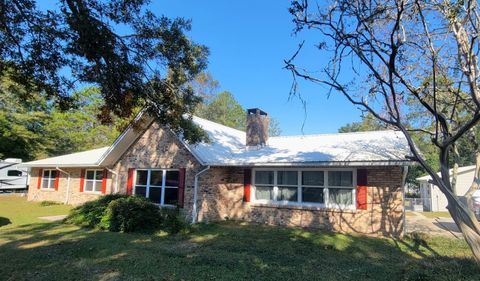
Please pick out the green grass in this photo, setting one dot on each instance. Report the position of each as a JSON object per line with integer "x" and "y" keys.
{"x": 16, "y": 211}
{"x": 222, "y": 251}
{"x": 433, "y": 215}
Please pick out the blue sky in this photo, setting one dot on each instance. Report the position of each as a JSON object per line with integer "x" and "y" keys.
{"x": 248, "y": 42}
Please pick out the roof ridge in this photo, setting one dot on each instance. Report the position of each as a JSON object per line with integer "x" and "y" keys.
{"x": 336, "y": 134}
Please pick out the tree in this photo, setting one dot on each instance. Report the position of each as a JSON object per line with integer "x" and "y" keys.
{"x": 80, "y": 129}
{"x": 368, "y": 123}
{"x": 222, "y": 107}
{"x": 133, "y": 56}
{"x": 22, "y": 119}
{"x": 380, "y": 54}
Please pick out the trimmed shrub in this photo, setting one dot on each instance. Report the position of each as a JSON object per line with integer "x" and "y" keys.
{"x": 90, "y": 213}
{"x": 131, "y": 214}
{"x": 173, "y": 221}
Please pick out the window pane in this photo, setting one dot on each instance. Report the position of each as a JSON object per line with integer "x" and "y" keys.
{"x": 312, "y": 178}
{"x": 287, "y": 177}
{"x": 340, "y": 196}
{"x": 264, "y": 177}
{"x": 14, "y": 173}
{"x": 288, "y": 194}
{"x": 99, "y": 175}
{"x": 312, "y": 195}
{"x": 45, "y": 183}
{"x": 156, "y": 178}
{"x": 141, "y": 191}
{"x": 142, "y": 177}
{"x": 88, "y": 185}
{"x": 46, "y": 173}
{"x": 155, "y": 194}
{"x": 90, "y": 175}
{"x": 171, "y": 196}
{"x": 172, "y": 178}
{"x": 53, "y": 174}
{"x": 98, "y": 186}
{"x": 264, "y": 192}
{"x": 340, "y": 178}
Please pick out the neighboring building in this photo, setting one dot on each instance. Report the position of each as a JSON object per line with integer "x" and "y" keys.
{"x": 434, "y": 200}
{"x": 350, "y": 182}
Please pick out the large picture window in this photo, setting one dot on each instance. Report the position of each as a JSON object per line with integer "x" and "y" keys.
{"x": 48, "y": 179}
{"x": 329, "y": 188}
{"x": 159, "y": 185}
{"x": 93, "y": 181}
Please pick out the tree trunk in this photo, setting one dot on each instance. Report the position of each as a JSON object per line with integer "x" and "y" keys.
{"x": 464, "y": 217}
{"x": 470, "y": 228}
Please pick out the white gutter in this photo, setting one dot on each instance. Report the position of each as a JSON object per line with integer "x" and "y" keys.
{"x": 67, "y": 196}
{"x": 195, "y": 191}
{"x": 115, "y": 187}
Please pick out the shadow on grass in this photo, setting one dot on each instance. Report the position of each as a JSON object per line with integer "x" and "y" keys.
{"x": 223, "y": 251}
{"x": 4, "y": 221}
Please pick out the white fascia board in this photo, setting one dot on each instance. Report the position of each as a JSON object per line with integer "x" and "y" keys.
{"x": 316, "y": 164}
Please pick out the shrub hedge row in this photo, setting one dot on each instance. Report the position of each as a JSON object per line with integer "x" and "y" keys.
{"x": 121, "y": 213}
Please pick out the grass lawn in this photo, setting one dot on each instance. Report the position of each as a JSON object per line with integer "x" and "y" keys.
{"x": 33, "y": 250}
{"x": 433, "y": 215}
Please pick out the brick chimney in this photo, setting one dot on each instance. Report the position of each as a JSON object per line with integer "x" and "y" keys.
{"x": 257, "y": 127}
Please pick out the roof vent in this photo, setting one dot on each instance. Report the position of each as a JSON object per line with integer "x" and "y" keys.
{"x": 257, "y": 127}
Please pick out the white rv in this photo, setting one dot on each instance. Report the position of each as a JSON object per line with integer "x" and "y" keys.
{"x": 12, "y": 176}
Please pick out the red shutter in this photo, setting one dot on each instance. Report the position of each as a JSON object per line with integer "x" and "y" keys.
{"x": 82, "y": 179}
{"x": 362, "y": 189}
{"x": 247, "y": 182}
{"x": 104, "y": 181}
{"x": 40, "y": 175}
{"x": 57, "y": 180}
{"x": 130, "y": 181}
{"x": 181, "y": 187}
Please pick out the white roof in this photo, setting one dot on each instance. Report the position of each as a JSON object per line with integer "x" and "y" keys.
{"x": 460, "y": 170}
{"x": 227, "y": 148}
{"x": 89, "y": 158}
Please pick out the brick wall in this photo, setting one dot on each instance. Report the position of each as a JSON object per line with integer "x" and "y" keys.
{"x": 221, "y": 197}
{"x": 159, "y": 148}
{"x": 75, "y": 196}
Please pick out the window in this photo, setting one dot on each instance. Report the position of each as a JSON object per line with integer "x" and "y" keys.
{"x": 340, "y": 187}
{"x": 160, "y": 186}
{"x": 313, "y": 187}
{"x": 48, "y": 179}
{"x": 332, "y": 188}
{"x": 93, "y": 181}
{"x": 14, "y": 173}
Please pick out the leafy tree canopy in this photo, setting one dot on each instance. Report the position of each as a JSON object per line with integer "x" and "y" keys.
{"x": 133, "y": 56}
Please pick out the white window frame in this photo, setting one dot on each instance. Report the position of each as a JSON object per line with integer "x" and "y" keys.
{"x": 147, "y": 187}
{"x": 94, "y": 181}
{"x": 326, "y": 187}
{"x": 50, "y": 182}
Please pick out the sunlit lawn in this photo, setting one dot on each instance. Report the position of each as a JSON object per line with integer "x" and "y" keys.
{"x": 436, "y": 214}
{"x": 35, "y": 250}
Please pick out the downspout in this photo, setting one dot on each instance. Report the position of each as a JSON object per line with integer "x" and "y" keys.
{"x": 404, "y": 179}
{"x": 115, "y": 186}
{"x": 195, "y": 191}
{"x": 67, "y": 196}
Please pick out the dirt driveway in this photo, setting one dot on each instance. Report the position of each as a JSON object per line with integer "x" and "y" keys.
{"x": 415, "y": 221}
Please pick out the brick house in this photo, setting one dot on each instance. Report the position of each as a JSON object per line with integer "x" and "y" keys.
{"x": 349, "y": 182}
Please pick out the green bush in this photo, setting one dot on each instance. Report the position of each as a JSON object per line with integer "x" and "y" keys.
{"x": 131, "y": 214}
{"x": 127, "y": 214}
{"x": 172, "y": 220}
{"x": 90, "y": 213}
